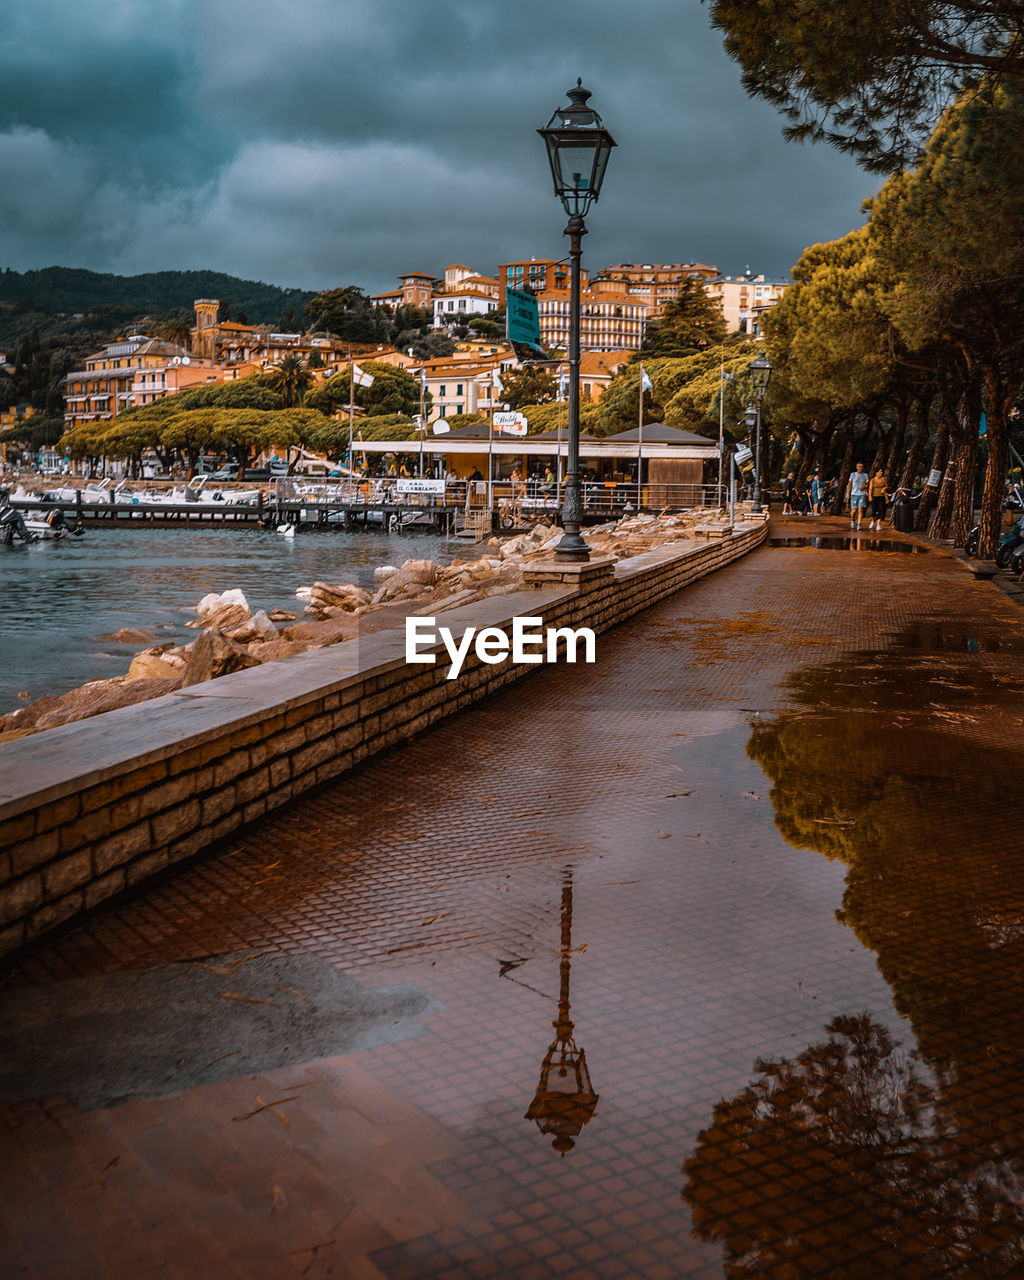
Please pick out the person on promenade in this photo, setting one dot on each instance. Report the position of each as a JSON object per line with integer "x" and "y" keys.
{"x": 815, "y": 492}
{"x": 857, "y": 495}
{"x": 877, "y": 494}
{"x": 806, "y": 506}
{"x": 788, "y": 492}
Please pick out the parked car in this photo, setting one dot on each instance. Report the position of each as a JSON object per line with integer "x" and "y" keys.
{"x": 229, "y": 471}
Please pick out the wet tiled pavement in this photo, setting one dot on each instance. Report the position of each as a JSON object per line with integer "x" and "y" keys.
{"x": 761, "y": 864}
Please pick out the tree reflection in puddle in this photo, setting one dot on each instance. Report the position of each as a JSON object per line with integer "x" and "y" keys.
{"x": 854, "y": 1159}
{"x": 847, "y": 1162}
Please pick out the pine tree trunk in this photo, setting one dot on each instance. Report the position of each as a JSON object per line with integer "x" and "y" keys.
{"x": 963, "y": 500}
{"x": 911, "y": 466}
{"x": 1000, "y": 398}
{"x": 943, "y": 518}
{"x": 839, "y": 502}
{"x": 883, "y": 441}
{"x": 899, "y": 436}
{"x": 940, "y": 456}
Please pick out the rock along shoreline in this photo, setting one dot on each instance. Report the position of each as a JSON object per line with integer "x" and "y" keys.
{"x": 233, "y": 637}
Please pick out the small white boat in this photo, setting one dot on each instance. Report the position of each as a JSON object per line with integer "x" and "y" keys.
{"x": 38, "y": 527}
{"x": 196, "y": 493}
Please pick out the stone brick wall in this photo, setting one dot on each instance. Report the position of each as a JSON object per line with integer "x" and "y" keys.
{"x": 91, "y": 809}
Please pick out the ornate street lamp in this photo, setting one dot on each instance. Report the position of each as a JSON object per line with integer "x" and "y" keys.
{"x": 565, "y": 1099}
{"x": 760, "y": 372}
{"x": 578, "y": 149}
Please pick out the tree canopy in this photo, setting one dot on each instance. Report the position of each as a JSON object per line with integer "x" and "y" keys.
{"x": 528, "y": 385}
{"x": 290, "y": 379}
{"x": 869, "y": 78}
{"x": 393, "y": 391}
{"x": 690, "y": 323}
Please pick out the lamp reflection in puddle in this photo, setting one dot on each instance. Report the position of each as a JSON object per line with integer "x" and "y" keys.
{"x": 565, "y": 1099}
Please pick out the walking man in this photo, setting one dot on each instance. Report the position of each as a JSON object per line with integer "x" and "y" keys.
{"x": 788, "y": 493}
{"x": 857, "y": 495}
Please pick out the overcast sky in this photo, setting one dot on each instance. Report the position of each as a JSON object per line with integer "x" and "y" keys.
{"x": 344, "y": 141}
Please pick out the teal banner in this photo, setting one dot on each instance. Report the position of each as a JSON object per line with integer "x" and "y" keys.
{"x": 522, "y": 319}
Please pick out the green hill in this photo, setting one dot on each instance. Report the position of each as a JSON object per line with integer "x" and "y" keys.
{"x": 66, "y": 301}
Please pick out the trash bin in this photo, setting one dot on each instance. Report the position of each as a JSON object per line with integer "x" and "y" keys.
{"x": 903, "y": 515}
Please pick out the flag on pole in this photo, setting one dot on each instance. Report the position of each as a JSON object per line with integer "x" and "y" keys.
{"x": 562, "y": 383}
{"x": 645, "y": 383}
{"x": 361, "y": 378}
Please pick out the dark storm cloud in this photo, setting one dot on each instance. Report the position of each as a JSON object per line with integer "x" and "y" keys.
{"x": 349, "y": 140}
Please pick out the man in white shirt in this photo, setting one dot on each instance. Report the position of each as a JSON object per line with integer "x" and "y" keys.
{"x": 857, "y": 495}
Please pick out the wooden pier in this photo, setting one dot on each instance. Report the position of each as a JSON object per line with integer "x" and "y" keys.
{"x": 308, "y": 512}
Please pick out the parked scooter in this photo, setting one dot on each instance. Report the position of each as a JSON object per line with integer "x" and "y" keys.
{"x": 1012, "y": 538}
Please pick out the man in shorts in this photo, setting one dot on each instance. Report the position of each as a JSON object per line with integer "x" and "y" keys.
{"x": 857, "y": 495}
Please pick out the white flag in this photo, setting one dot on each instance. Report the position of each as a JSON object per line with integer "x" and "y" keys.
{"x": 361, "y": 378}
{"x": 645, "y": 383}
{"x": 496, "y": 379}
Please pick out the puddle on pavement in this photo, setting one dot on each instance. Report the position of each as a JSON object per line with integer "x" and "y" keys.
{"x": 876, "y": 765}
{"x": 855, "y": 542}
{"x": 940, "y": 637}
{"x": 100, "y": 1039}
{"x": 848, "y": 1160}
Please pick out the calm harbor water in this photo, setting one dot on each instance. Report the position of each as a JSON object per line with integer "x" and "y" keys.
{"x": 60, "y": 598}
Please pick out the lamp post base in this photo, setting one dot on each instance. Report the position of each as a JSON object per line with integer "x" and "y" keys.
{"x": 572, "y": 547}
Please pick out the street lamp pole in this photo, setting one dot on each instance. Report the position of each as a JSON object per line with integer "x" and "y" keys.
{"x": 578, "y": 149}
{"x": 760, "y": 372}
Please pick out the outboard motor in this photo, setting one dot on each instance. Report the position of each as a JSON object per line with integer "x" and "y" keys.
{"x": 12, "y": 522}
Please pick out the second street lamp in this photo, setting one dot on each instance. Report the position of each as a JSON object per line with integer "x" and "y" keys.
{"x": 760, "y": 372}
{"x": 578, "y": 149}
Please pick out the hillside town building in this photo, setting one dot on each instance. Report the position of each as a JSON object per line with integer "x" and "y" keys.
{"x": 132, "y": 371}
{"x": 745, "y": 299}
{"x": 654, "y": 284}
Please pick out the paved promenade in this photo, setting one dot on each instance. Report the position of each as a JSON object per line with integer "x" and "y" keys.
{"x": 763, "y": 857}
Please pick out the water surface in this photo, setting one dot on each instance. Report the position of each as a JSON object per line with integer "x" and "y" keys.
{"x": 59, "y": 598}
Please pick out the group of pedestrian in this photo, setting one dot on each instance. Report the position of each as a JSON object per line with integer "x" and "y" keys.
{"x": 807, "y": 502}
{"x": 864, "y": 494}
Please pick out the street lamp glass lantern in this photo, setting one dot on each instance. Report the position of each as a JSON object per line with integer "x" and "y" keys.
{"x": 760, "y": 372}
{"x": 578, "y": 150}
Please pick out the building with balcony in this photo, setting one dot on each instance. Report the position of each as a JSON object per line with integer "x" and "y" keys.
{"x": 653, "y": 284}
{"x": 132, "y": 371}
{"x": 744, "y": 299}
{"x": 610, "y": 319}
{"x": 537, "y": 274}
{"x": 464, "y": 386}
{"x": 417, "y": 290}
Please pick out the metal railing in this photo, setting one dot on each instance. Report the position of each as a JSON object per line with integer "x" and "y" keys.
{"x": 530, "y": 496}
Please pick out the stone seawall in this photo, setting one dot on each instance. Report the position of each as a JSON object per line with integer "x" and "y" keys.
{"x": 90, "y": 809}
